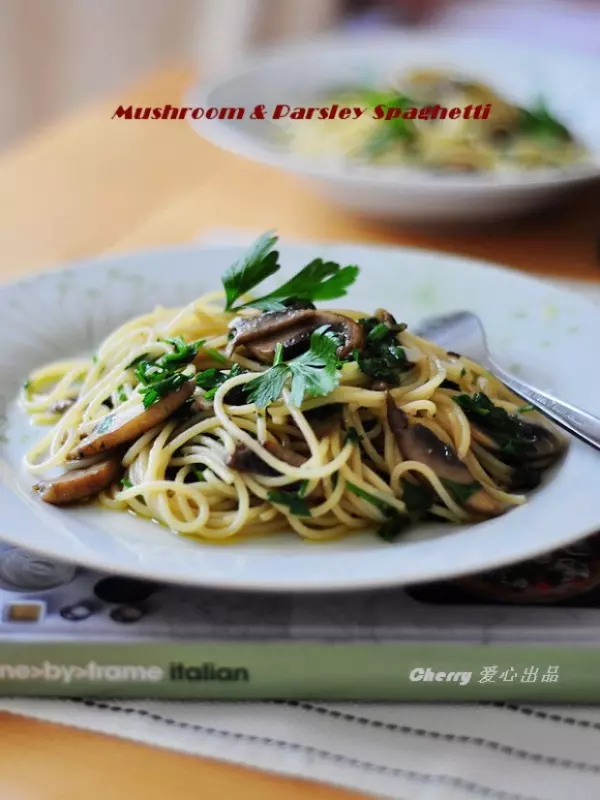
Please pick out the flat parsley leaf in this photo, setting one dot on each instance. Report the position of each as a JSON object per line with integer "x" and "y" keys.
{"x": 313, "y": 374}
{"x": 258, "y": 263}
{"x": 267, "y": 387}
{"x": 319, "y": 280}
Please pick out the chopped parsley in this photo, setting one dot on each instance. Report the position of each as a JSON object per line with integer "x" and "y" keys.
{"x": 395, "y": 524}
{"x": 524, "y": 409}
{"x": 278, "y": 354}
{"x": 463, "y": 372}
{"x": 199, "y": 473}
{"x": 313, "y": 374}
{"x": 293, "y": 500}
{"x": 126, "y": 483}
{"x": 166, "y": 374}
{"x": 27, "y": 386}
{"x": 370, "y": 498}
{"x": 416, "y": 498}
{"x": 352, "y": 436}
{"x": 121, "y": 394}
{"x": 157, "y": 381}
{"x": 183, "y": 352}
{"x": 380, "y": 331}
{"x": 319, "y": 280}
{"x": 211, "y": 379}
{"x": 382, "y": 358}
{"x": 461, "y": 491}
{"x": 507, "y": 430}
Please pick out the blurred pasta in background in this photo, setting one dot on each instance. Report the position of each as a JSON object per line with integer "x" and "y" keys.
{"x": 56, "y": 55}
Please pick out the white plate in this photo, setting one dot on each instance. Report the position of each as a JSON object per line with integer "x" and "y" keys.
{"x": 299, "y": 74}
{"x": 548, "y": 333}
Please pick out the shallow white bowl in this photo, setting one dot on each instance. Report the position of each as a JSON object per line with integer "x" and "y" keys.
{"x": 300, "y": 74}
{"x": 548, "y": 333}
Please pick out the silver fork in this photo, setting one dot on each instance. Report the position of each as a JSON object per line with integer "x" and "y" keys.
{"x": 463, "y": 333}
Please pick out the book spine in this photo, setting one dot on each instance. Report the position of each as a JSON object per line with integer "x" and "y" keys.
{"x": 301, "y": 670}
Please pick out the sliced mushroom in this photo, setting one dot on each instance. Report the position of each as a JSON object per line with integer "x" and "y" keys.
{"x": 124, "y": 426}
{"x": 284, "y": 454}
{"x": 293, "y": 328}
{"x": 418, "y": 443}
{"x": 389, "y": 320}
{"x": 78, "y": 484}
{"x": 61, "y": 405}
{"x": 243, "y": 459}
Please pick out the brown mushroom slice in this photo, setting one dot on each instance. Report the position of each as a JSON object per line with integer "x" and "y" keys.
{"x": 284, "y": 454}
{"x": 61, "y": 405}
{"x": 388, "y": 319}
{"x": 293, "y": 328}
{"x": 126, "y": 425}
{"x": 418, "y": 443}
{"x": 79, "y": 484}
{"x": 243, "y": 459}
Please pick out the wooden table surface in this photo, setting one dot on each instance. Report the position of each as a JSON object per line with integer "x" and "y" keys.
{"x": 89, "y": 185}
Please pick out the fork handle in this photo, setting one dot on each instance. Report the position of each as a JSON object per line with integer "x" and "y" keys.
{"x": 580, "y": 423}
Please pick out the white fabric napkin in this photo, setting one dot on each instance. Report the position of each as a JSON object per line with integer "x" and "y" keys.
{"x": 408, "y": 752}
{"x": 500, "y": 751}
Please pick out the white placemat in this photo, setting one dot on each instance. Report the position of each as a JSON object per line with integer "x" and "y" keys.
{"x": 500, "y": 751}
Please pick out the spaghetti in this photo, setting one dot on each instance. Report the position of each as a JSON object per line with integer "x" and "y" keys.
{"x": 231, "y": 417}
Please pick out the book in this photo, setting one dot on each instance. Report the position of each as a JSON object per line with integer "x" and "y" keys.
{"x": 529, "y": 632}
